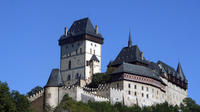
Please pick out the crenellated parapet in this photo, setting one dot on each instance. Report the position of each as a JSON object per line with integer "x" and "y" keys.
{"x": 36, "y": 95}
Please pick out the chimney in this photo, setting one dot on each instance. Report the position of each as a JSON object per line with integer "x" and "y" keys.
{"x": 65, "y": 31}
{"x": 96, "y": 29}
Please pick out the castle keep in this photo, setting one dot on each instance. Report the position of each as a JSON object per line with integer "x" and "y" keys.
{"x": 134, "y": 80}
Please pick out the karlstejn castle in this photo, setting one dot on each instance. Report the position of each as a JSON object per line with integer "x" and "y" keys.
{"x": 134, "y": 80}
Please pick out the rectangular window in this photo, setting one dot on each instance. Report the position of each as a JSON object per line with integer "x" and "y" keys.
{"x": 76, "y": 51}
{"x": 80, "y": 50}
{"x": 147, "y": 89}
{"x": 135, "y": 93}
{"x": 147, "y": 96}
{"x": 142, "y": 94}
{"x": 129, "y": 85}
{"x": 117, "y": 85}
{"x": 142, "y": 88}
{"x": 135, "y": 86}
{"x": 129, "y": 92}
{"x": 90, "y": 51}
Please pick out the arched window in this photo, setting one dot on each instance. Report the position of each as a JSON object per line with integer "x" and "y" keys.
{"x": 69, "y": 77}
{"x": 69, "y": 65}
{"x": 77, "y": 75}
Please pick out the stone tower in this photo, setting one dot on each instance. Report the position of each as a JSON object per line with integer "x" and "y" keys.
{"x": 80, "y": 52}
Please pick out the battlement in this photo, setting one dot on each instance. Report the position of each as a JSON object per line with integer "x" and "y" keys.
{"x": 36, "y": 95}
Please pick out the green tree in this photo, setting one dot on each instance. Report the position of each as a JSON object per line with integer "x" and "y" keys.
{"x": 189, "y": 105}
{"x": 21, "y": 102}
{"x": 6, "y": 101}
{"x": 12, "y": 101}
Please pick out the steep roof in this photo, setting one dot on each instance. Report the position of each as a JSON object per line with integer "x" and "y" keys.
{"x": 169, "y": 70}
{"x": 180, "y": 72}
{"x": 94, "y": 58}
{"x": 55, "y": 79}
{"x": 138, "y": 70}
{"x": 128, "y": 55}
{"x": 79, "y": 27}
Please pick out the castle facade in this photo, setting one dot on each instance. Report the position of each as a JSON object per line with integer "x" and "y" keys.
{"x": 134, "y": 79}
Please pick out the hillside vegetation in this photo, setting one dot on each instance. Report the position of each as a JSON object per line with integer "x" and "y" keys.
{"x": 70, "y": 105}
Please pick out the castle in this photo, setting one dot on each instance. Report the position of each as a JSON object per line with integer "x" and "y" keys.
{"x": 135, "y": 80}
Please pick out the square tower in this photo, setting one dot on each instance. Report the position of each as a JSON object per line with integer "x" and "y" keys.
{"x": 80, "y": 52}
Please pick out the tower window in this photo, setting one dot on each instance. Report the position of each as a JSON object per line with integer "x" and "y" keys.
{"x": 77, "y": 76}
{"x": 69, "y": 65}
{"x": 80, "y": 50}
{"x": 129, "y": 85}
{"x": 117, "y": 85}
{"x": 69, "y": 77}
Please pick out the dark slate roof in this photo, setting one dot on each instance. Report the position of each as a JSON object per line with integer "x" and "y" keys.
{"x": 169, "y": 70}
{"x": 128, "y": 55}
{"x": 138, "y": 70}
{"x": 94, "y": 58}
{"x": 55, "y": 79}
{"x": 180, "y": 72}
{"x": 79, "y": 27}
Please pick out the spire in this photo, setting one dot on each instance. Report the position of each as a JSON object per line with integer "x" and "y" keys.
{"x": 129, "y": 41}
{"x": 180, "y": 71}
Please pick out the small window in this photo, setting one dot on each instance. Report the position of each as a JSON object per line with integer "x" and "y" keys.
{"x": 147, "y": 89}
{"x": 94, "y": 51}
{"x": 69, "y": 65}
{"x": 90, "y": 51}
{"x": 117, "y": 85}
{"x": 87, "y": 63}
{"x": 142, "y": 94}
{"x": 129, "y": 92}
{"x": 135, "y": 86}
{"x": 142, "y": 88}
{"x": 129, "y": 85}
{"x": 69, "y": 77}
{"x": 76, "y": 51}
{"x": 95, "y": 45}
{"x": 147, "y": 96}
{"x": 77, "y": 75}
{"x": 135, "y": 93}
{"x": 80, "y": 50}
{"x": 91, "y": 44}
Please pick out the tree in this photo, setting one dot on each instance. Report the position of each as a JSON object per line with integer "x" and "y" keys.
{"x": 6, "y": 101}
{"x": 12, "y": 101}
{"x": 21, "y": 102}
{"x": 189, "y": 105}
{"x": 34, "y": 90}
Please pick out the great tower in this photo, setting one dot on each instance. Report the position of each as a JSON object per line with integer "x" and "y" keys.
{"x": 80, "y": 52}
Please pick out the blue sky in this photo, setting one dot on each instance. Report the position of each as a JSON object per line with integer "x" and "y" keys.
{"x": 167, "y": 30}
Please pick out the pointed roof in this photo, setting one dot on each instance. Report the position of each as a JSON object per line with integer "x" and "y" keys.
{"x": 55, "y": 79}
{"x": 179, "y": 70}
{"x": 79, "y": 27}
{"x": 94, "y": 58}
{"x": 129, "y": 55}
{"x": 129, "y": 41}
